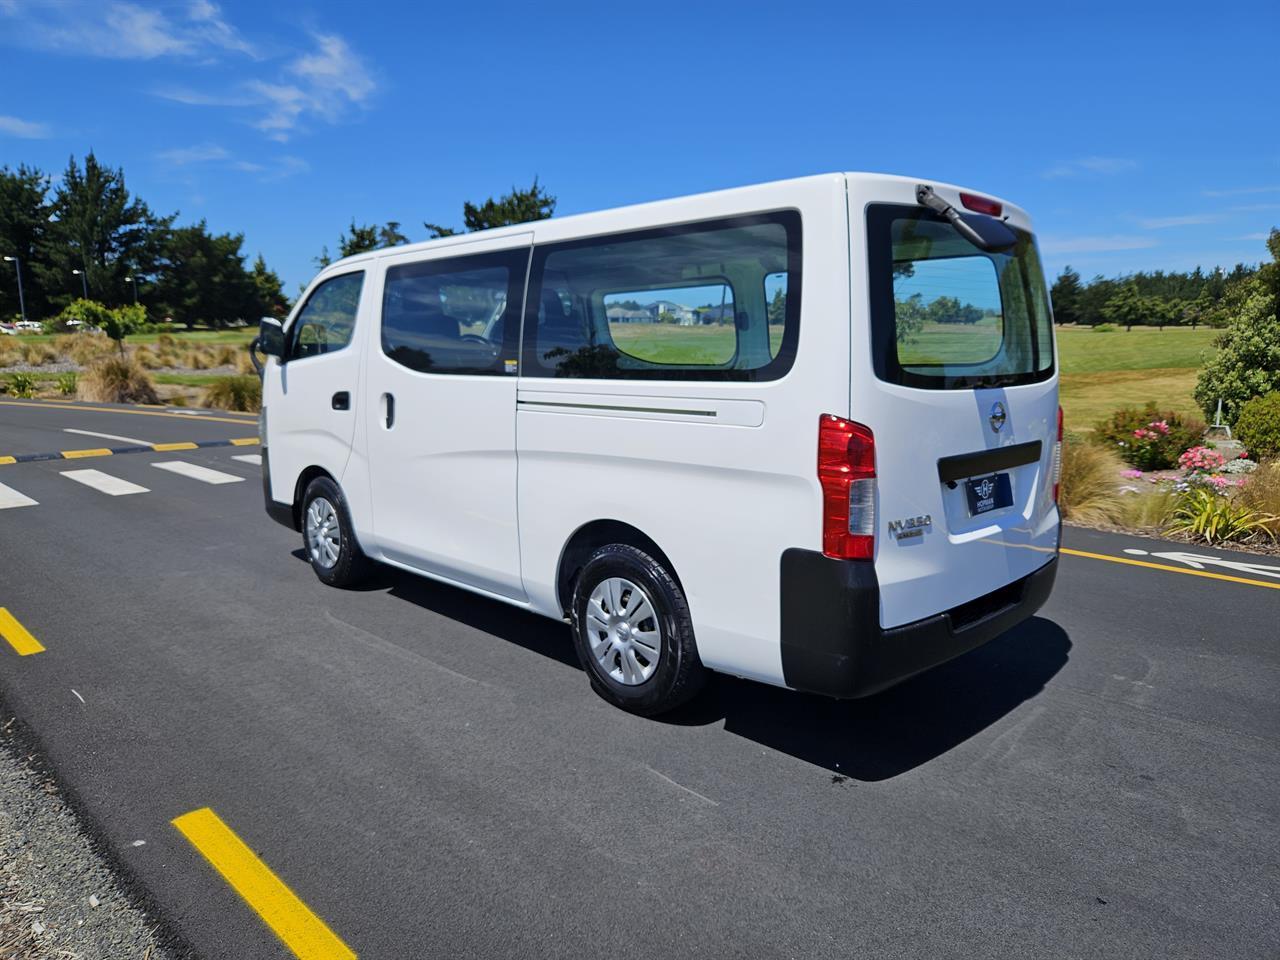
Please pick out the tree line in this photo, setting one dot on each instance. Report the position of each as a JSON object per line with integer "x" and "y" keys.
{"x": 89, "y": 238}
{"x": 1156, "y": 299}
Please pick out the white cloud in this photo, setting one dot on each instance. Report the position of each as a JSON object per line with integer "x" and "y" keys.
{"x": 24, "y": 129}
{"x": 125, "y": 31}
{"x": 201, "y": 153}
{"x": 1254, "y": 236}
{"x": 1185, "y": 220}
{"x": 1099, "y": 244}
{"x": 196, "y": 98}
{"x": 1242, "y": 191}
{"x": 1102, "y": 166}
{"x": 324, "y": 83}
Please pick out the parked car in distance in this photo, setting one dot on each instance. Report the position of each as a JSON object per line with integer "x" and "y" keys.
{"x": 805, "y": 432}
{"x": 31, "y": 325}
{"x": 8, "y": 328}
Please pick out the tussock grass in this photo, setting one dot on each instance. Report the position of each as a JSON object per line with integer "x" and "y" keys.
{"x": 241, "y": 392}
{"x": 1261, "y": 493}
{"x": 116, "y": 379}
{"x": 1090, "y": 485}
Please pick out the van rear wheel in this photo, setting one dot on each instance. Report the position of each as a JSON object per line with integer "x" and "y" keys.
{"x": 328, "y": 537}
{"x": 633, "y": 633}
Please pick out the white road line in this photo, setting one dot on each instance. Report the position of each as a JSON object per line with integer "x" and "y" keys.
{"x": 108, "y": 436}
{"x": 196, "y": 472}
{"x": 254, "y": 458}
{"x": 10, "y": 497}
{"x": 112, "y": 486}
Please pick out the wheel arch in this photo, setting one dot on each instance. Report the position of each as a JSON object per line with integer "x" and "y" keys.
{"x": 300, "y": 487}
{"x": 589, "y": 538}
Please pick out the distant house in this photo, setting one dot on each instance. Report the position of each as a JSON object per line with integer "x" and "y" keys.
{"x": 685, "y": 316}
{"x": 723, "y": 314}
{"x": 617, "y": 314}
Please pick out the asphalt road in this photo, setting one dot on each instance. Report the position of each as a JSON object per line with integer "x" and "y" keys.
{"x": 431, "y": 774}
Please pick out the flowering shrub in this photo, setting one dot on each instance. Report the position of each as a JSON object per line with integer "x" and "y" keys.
{"x": 1202, "y": 460}
{"x": 1149, "y": 439}
{"x": 1239, "y": 465}
{"x": 1131, "y": 474}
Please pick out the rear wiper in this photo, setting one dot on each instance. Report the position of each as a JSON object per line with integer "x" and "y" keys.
{"x": 985, "y": 233}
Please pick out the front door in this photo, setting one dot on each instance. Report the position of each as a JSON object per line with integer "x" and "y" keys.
{"x": 441, "y": 409}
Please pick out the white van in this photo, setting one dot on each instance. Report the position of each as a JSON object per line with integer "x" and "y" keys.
{"x": 805, "y": 432}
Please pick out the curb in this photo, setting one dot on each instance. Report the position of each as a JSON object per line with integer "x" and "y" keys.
{"x": 137, "y": 448}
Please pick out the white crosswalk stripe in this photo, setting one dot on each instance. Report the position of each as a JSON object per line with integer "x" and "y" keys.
{"x": 112, "y": 486}
{"x": 197, "y": 472}
{"x": 10, "y": 497}
{"x": 254, "y": 458}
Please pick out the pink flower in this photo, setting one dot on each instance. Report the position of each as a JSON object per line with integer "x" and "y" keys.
{"x": 1160, "y": 425}
{"x": 1131, "y": 474}
{"x": 1141, "y": 434}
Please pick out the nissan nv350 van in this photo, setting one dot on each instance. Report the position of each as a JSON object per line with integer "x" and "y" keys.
{"x": 805, "y": 432}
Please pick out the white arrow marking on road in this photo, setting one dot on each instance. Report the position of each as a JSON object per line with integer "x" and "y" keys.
{"x": 1198, "y": 562}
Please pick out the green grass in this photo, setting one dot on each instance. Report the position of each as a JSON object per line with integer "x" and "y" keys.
{"x": 952, "y": 343}
{"x": 187, "y": 379}
{"x": 712, "y": 344}
{"x": 181, "y": 334}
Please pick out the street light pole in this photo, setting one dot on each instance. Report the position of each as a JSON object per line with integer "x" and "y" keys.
{"x": 84, "y": 283}
{"x": 22, "y": 302}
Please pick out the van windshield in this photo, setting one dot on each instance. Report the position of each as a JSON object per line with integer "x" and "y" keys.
{"x": 946, "y": 315}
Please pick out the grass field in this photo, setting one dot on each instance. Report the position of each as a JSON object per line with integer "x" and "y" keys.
{"x": 1104, "y": 371}
{"x": 181, "y": 334}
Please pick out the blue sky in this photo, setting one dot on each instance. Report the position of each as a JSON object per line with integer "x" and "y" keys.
{"x": 1138, "y": 136}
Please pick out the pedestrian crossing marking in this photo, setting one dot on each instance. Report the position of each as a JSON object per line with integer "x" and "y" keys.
{"x": 112, "y": 486}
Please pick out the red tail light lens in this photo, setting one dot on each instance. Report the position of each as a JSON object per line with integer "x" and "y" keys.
{"x": 977, "y": 204}
{"x": 1057, "y": 459}
{"x": 847, "y": 473}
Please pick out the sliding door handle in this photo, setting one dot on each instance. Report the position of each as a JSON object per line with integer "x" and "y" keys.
{"x": 388, "y": 411}
{"x": 342, "y": 400}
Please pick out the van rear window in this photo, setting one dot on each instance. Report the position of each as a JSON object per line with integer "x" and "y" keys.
{"x": 948, "y": 315}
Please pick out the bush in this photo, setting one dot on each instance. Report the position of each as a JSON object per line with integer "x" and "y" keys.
{"x": 1247, "y": 363}
{"x": 1089, "y": 488}
{"x": 117, "y": 379}
{"x": 1214, "y": 519}
{"x": 1149, "y": 438}
{"x": 1261, "y": 492}
{"x": 22, "y": 385}
{"x": 67, "y": 383}
{"x": 1105, "y": 328}
{"x": 1258, "y": 426}
{"x": 240, "y": 392}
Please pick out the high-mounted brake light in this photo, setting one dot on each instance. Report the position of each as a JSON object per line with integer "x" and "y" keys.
{"x": 1057, "y": 459}
{"x": 847, "y": 473}
{"x": 971, "y": 201}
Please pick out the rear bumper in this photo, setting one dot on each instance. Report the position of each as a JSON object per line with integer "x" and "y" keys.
{"x": 281, "y": 513}
{"x": 832, "y": 641}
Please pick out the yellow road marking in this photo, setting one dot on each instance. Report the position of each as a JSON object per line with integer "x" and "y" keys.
{"x": 305, "y": 934}
{"x": 162, "y": 447}
{"x": 245, "y": 442}
{"x": 18, "y": 636}
{"x": 135, "y": 413}
{"x": 1162, "y": 566}
{"x": 77, "y": 454}
{"x": 8, "y": 459}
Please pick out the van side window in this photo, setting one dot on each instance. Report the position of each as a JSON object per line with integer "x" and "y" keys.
{"x": 328, "y": 318}
{"x": 456, "y": 315}
{"x": 717, "y": 300}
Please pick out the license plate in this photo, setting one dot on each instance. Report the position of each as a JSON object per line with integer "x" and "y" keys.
{"x": 988, "y": 493}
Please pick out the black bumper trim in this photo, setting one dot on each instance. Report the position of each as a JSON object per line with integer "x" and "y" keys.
{"x": 988, "y": 461}
{"x": 832, "y": 641}
{"x": 281, "y": 513}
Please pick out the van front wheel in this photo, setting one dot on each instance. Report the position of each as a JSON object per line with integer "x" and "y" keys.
{"x": 327, "y": 536}
{"x": 633, "y": 633}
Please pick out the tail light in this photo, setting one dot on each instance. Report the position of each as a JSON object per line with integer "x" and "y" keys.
{"x": 1057, "y": 459}
{"x": 847, "y": 473}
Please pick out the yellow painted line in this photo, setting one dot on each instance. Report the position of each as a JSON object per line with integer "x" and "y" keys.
{"x": 18, "y": 636}
{"x": 305, "y": 934}
{"x": 135, "y": 413}
{"x": 245, "y": 442}
{"x": 162, "y": 447}
{"x": 8, "y": 459}
{"x": 79, "y": 454}
{"x": 1162, "y": 566}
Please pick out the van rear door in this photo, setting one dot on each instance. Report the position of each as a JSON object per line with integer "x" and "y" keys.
{"x": 954, "y": 372}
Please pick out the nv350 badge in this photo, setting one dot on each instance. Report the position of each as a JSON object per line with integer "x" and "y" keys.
{"x": 910, "y": 527}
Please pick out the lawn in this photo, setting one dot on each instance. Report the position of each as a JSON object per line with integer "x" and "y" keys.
{"x": 1103, "y": 371}
{"x": 181, "y": 334}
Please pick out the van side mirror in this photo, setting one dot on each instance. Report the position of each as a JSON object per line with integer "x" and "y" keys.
{"x": 269, "y": 341}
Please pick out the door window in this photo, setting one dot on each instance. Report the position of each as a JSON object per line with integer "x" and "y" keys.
{"x": 459, "y": 315}
{"x": 328, "y": 318}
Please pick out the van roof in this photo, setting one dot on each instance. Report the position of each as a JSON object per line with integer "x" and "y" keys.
{"x": 599, "y": 220}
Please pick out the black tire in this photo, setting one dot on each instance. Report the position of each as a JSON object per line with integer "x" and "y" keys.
{"x": 351, "y": 566}
{"x": 678, "y": 674}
